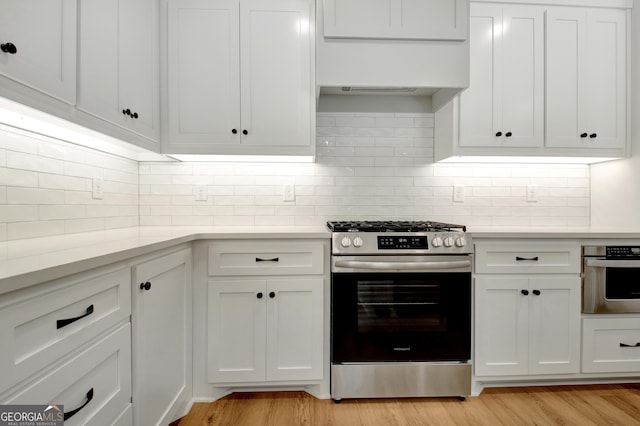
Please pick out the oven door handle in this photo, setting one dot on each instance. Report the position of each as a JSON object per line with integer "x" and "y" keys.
{"x": 607, "y": 263}
{"x": 404, "y": 266}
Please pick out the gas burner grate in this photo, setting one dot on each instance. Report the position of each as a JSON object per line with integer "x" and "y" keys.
{"x": 392, "y": 226}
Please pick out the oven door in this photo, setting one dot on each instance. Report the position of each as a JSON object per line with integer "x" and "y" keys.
{"x": 611, "y": 286}
{"x": 383, "y": 315}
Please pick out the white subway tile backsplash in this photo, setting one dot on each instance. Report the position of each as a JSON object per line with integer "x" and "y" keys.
{"x": 379, "y": 166}
{"x": 368, "y": 166}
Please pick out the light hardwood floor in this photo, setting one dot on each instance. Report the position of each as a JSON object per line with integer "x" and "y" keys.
{"x": 553, "y": 405}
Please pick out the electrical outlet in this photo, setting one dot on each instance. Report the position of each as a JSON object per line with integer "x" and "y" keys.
{"x": 97, "y": 188}
{"x": 288, "y": 192}
{"x": 458, "y": 193}
{"x": 200, "y": 192}
{"x": 532, "y": 193}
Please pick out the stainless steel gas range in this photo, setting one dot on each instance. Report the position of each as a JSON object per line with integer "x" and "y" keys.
{"x": 400, "y": 309}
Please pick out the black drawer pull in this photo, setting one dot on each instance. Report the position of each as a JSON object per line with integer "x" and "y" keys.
{"x": 624, "y": 345}
{"x": 524, "y": 292}
{"x": 9, "y": 48}
{"x": 537, "y": 292}
{"x": 65, "y": 322}
{"x": 145, "y": 286}
{"x": 532, "y": 259}
{"x": 275, "y": 259}
{"x": 70, "y": 414}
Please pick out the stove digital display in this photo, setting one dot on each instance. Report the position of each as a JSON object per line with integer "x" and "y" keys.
{"x": 399, "y": 243}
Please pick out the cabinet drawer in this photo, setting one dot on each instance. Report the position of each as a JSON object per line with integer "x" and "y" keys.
{"x": 530, "y": 257}
{"x": 608, "y": 345}
{"x": 282, "y": 257}
{"x": 97, "y": 379}
{"x": 59, "y": 317}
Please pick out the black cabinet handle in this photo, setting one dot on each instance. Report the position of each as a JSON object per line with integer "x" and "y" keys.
{"x": 9, "y": 48}
{"x": 259, "y": 295}
{"x": 537, "y": 292}
{"x": 65, "y": 322}
{"x": 275, "y": 259}
{"x": 245, "y": 132}
{"x": 70, "y": 414}
{"x": 234, "y": 131}
{"x": 498, "y": 134}
{"x": 524, "y": 292}
{"x": 531, "y": 259}
{"x": 583, "y": 135}
{"x": 624, "y": 345}
{"x": 145, "y": 286}
{"x": 127, "y": 112}
{"x": 508, "y": 134}
{"x": 272, "y": 294}
{"x": 134, "y": 115}
{"x": 593, "y": 135}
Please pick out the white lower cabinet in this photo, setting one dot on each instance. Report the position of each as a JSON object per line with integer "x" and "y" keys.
{"x": 265, "y": 311}
{"x": 527, "y": 307}
{"x": 161, "y": 321}
{"x": 527, "y": 325}
{"x": 94, "y": 386}
{"x": 265, "y": 330}
{"x": 611, "y": 345}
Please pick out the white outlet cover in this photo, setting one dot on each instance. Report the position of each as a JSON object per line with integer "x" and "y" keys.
{"x": 288, "y": 192}
{"x": 532, "y": 193}
{"x": 458, "y": 193}
{"x": 97, "y": 191}
{"x": 200, "y": 192}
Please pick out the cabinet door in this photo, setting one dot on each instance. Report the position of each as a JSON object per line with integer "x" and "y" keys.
{"x": 481, "y": 103}
{"x": 161, "y": 337}
{"x": 405, "y": 19}
{"x": 501, "y": 327}
{"x": 606, "y": 43}
{"x": 118, "y": 70}
{"x": 503, "y": 106}
{"x": 554, "y": 325}
{"x": 295, "y": 329}
{"x": 586, "y": 78}
{"x": 275, "y": 46}
{"x": 236, "y": 331}
{"x": 203, "y": 75}
{"x": 44, "y": 34}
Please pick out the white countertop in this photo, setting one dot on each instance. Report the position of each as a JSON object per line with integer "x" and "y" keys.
{"x": 27, "y": 262}
{"x": 31, "y": 261}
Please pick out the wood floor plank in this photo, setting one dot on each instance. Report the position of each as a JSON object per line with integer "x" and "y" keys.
{"x": 550, "y": 405}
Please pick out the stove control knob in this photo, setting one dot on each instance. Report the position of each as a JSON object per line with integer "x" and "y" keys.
{"x": 461, "y": 242}
{"x": 448, "y": 242}
{"x": 357, "y": 242}
{"x": 437, "y": 242}
{"x": 346, "y": 242}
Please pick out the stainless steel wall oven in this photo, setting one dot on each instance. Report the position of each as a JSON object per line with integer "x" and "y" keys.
{"x": 400, "y": 311}
{"x": 610, "y": 279}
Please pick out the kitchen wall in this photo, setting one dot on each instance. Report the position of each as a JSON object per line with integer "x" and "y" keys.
{"x": 369, "y": 166}
{"x": 46, "y": 187}
{"x": 615, "y": 184}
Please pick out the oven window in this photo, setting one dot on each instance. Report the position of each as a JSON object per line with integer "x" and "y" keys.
{"x": 400, "y": 317}
{"x": 387, "y": 306}
{"x": 622, "y": 283}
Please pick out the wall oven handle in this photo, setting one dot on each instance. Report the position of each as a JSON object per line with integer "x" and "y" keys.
{"x": 389, "y": 266}
{"x": 607, "y": 263}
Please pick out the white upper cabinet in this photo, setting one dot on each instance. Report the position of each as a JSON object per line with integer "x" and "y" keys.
{"x": 503, "y": 106}
{"x": 118, "y": 63}
{"x": 586, "y": 78}
{"x": 38, "y": 45}
{"x": 397, "y": 19}
{"x": 240, "y": 77}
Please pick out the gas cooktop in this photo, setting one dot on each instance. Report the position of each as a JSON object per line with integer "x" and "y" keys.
{"x": 393, "y": 226}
